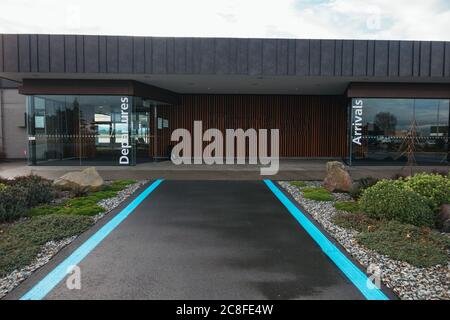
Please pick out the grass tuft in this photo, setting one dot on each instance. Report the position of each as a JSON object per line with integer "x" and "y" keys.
{"x": 317, "y": 194}
{"x": 298, "y": 184}
{"x": 348, "y": 206}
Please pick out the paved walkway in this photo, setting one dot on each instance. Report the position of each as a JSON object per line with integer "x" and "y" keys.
{"x": 204, "y": 240}
{"x": 289, "y": 170}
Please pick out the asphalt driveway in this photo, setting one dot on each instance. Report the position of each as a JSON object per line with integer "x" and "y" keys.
{"x": 206, "y": 240}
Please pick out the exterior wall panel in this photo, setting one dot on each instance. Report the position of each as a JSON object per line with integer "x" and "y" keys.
{"x": 425, "y": 58}
{"x": 80, "y": 53}
{"x": 1, "y": 53}
{"x": 11, "y": 53}
{"x": 360, "y": 58}
{"x": 437, "y": 59}
{"x": 338, "y": 58}
{"x": 327, "y": 57}
{"x": 125, "y": 56}
{"x": 282, "y": 57}
{"x": 225, "y": 56}
{"x": 269, "y": 57}
{"x": 447, "y": 59}
{"x": 242, "y": 56}
{"x": 394, "y": 58}
{"x": 24, "y": 53}
{"x": 347, "y": 58}
{"x": 310, "y": 126}
{"x": 314, "y": 58}
{"x": 381, "y": 58}
{"x": 170, "y": 56}
{"x": 112, "y": 51}
{"x": 255, "y": 57}
{"x": 70, "y": 53}
{"x": 91, "y": 54}
{"x": 302, "y": 58}
{"x": 406, "y": 59}
{"x": 139, "y": 55}
{"x": 57, "y": 54}
{"x": 222, "y": 56}
{"x": 102, "y": 54}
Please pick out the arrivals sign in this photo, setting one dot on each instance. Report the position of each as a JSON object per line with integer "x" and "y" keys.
{"x": 357, "y": 120}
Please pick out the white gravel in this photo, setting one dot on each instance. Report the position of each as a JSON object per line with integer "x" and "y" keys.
{"x": 51, "y": 248}
{"x": 407, "y": 281}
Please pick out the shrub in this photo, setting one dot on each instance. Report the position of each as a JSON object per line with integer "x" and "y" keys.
{"x": 40, "y": 230}
{"x": 12, "y": 204}
{"x": 360, "y": 185}
{"x": 37, "y": 190}
{"x": 388, "y": 199}
{"x": 420, "y": 247}
{"x": 317, "y": 194}
{"x": 349, "y": 206}
{"x": 298, "y": 184}
{"x": 82, "y": 206}
{"x": 22, "y": 241}
{"x": 434, "y": 187}
{"x": 356, "y": 221}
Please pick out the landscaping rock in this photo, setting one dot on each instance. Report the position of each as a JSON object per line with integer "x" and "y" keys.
{"x": 87, "y": 180}
{"x": 444, "y": 215}
{"x": 446, "y": 226}
{"x": 338, "y": 178}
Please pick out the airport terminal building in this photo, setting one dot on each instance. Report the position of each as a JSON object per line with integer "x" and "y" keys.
{"x": 83, "y": 100}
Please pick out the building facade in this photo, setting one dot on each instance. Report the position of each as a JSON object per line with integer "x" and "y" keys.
{"x": 116, "y": 100}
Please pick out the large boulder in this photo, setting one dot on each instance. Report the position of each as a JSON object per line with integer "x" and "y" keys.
{"x": 338, "y": 178}
{"x": 87, "y": 180}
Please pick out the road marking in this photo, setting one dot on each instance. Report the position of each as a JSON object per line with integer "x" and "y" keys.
{"x": 43, "y": 287}
{"x": 351, "y": 271}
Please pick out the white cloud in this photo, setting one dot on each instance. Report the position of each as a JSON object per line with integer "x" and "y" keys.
{"x": 369, "y": 19}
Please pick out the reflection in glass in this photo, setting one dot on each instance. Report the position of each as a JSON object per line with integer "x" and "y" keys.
{"x": 76, "y": 129}
{"x": 386, "y": 124}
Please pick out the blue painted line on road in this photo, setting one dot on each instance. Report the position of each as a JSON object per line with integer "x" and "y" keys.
{"x": 51, "y": 280}
{"x": 351, "y": 271}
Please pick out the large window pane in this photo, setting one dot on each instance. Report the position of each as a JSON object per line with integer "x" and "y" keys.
{"x": 382, "y": 130}
{"x": 80, "y": 130}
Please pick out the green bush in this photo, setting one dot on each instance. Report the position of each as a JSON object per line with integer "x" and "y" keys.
{"x": 360, "y": 185}
{"x": 434, "y": 187}
{"x": 298, "y": 184}
{"x": 356, "y": 221}
{"x": 317, "y": 194}
{"x": 37, "y": 190}
{"x": 40, "y": 230}
{"x": 388, "y": 199}
{"x": 12, "y": 204}
{"x": 22, "y": 241}
{"x": 349, "y": 206}
{"x": 82, "y": 206}
{"x": 420, "y": 247}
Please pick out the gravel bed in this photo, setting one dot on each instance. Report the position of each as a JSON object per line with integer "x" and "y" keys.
{"x": 51, "y": 248}
{"x": 407, "y": 281}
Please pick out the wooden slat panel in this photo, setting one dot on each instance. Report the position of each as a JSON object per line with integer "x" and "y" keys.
{"x": 310, "y": 126}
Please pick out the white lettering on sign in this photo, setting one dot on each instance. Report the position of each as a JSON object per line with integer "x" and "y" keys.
{"x": 125, "y": 139}
{"x": 357, "y": 124}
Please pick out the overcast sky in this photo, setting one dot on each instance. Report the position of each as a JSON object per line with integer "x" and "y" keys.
{"x": 339, "y": 19}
